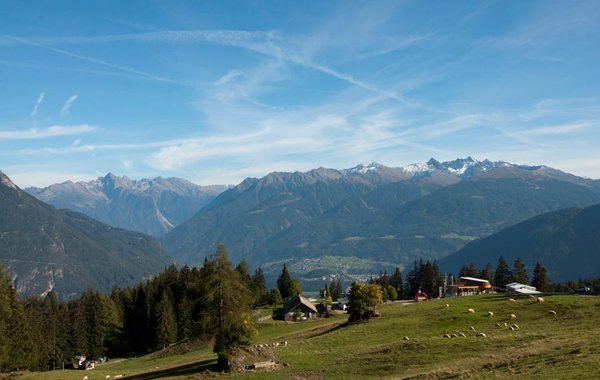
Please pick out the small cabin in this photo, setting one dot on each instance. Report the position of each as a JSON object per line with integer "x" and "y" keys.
{"x": 469, "y": 286}
{"x": 299, "y": 308}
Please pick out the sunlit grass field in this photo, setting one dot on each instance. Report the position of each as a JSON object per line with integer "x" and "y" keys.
{"x": 546, "y": 346}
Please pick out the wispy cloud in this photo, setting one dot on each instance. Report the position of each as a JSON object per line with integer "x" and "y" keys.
{"x": 66, "y": 109}
{"x": 230, "y": 76}
{"x": 38, "y": 102}
{"x": 52, "y": 131}
{"x": 88, "y": 59}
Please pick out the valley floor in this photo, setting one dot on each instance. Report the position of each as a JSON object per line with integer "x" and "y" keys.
{"x": 545, "y": 346}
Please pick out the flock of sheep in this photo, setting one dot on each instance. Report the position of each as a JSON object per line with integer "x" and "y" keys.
{"x": 512, "y": 327}
{"x": 276, "y": 344}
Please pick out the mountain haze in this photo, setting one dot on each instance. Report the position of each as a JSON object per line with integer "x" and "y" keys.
{"x": 152, "y": 206}
{"x": 47, "y": 249}
{"x": 566, "y": 242}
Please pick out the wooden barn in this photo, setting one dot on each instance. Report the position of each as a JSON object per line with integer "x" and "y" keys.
{"x": 299, "y": 308}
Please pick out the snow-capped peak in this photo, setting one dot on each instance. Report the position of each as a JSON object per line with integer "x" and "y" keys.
{"x": 6, "y": 181}
{"x": 362, "y": 168}
{"x": 461, "y": 167}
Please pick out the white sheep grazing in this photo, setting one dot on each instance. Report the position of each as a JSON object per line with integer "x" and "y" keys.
{"x": 446, "y": 335}
{"x": 516, "y": 327}
{"x": 471, "y": 310}
{"x": 276, "y": 344}
{"x": 531, "y": 296}
{"x": 85, "y": 378}
{"x": 462, "y": 334}
{"x": 540, "y": 299}
{"x": 447, "y": 305}
{"x": 285, "y": 343}
{"x": 107, "y": 377}
{"x": 498, "y": 324}
{"x": 482, "y": 335}
{"x": 512, "y": 316}
{"x": 511, "y": 300}
{"x": 505, "y": 324}
{"x": 490, "y": 313}
{"x": 552, "y": 312}
{"x": 454, "y": 336}
{"x": 512, "y": 328}
{"x": 472, "y": 328}
{"x": 260, "y": 346}
{"x": 406, "y": 338}
{"x": 117, "y": 376}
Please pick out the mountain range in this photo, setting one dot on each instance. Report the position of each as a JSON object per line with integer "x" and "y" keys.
{"x": 566, "y": 242}
{"x": 351, "y": 222}
{"x": 152, "y": 206}
{"x": 378, "y": 215}
{"x": 44, "y": 248}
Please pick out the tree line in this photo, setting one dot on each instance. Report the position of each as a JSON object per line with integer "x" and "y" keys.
{"x": 207, "y": 303}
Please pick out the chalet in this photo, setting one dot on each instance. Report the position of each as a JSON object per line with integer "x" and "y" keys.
{"x": 469, "y": 286}
{"x": 516, "y": 287}
{"x": 299, "y": 308}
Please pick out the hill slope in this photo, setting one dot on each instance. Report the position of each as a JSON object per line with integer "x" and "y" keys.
{"x": 152, "y": 206}
{"x": 47, "y": 249}
{"x": 566, "y": 242}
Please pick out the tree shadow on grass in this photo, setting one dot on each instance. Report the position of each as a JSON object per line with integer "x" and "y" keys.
{"x": 335, "y": 328}
{"x": 187, "y": 369}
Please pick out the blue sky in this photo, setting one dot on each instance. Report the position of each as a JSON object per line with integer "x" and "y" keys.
{"x": 218, "y": 91}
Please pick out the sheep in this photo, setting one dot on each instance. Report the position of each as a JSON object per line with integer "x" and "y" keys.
{"x": 531, "y": 296}
{"x": 512, "y": 316}
{"x": 406, "y": 338}
{"x": 472, "y": 328}
{"x": 260, "y": 346}
{"x": 85, "y": 378}
{"x": 446, "y": 335}
{"x": 454, "y": 336}
{"x": 490, "y": 313}
{"x": 551, "y": 312}
{"x": 462, "y": 334}
{"x": 515, "y": 326}
{"x": 540, "y": 299}
{"x": 482, "y": 335}
{"x": 285, "y": 343}
{"x": 511, "y": 300}
{"x": 117, "y": 376}
{"x": 512, "y": 328}
{"x": 471, "y": 310}
{"x": 107, "y": 377}
{"x": 498, "y": 324}
{"x": 447, "y": 305}
{"x": 276, "y": 344}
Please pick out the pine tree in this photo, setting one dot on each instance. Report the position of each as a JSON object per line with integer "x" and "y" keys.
{"x": 275, "y": 297}
{"x": 16, "y": 346}
{"x": 503, "y": 275}
{"x": 259, "y": 287}
{"x": 285, "y": 284}
{"x": 468, "y": 271}
{"x": 520, "y": 272}
{"x": 487, "y": 273}
{"x": 396, "y": 282}
{"x": 229, "y": 301}
{"x": 540, "y": 278}
{"x": 166, "y": 329}
{"x": 185, "y": 322}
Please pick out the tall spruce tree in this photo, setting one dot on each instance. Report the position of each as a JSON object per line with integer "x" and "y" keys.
{"x": 16, "y": 346}
{"x": 285, "y": 284}
{"x": 396, "y": 282}
{"x": 487, "y": 273}
{"x": 166, "y": 326}
{"x": 520, "y": 272}
{"x": 503, "y": 275}
{"x": 540, "y": 278}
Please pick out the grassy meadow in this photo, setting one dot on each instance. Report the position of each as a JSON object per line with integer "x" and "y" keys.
{"x": 546, "y": 346}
